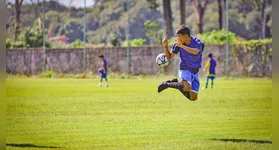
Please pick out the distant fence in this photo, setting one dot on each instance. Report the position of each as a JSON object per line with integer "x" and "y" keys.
{"x": 254, "y": 63}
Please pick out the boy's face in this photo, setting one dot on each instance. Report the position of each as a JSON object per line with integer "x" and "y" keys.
{"x": 100, "y": 58}
{"x": 182, "y": 37}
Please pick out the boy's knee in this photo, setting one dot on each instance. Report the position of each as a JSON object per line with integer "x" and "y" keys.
{"x": 193, "y": 96}
{"x": 187, "y": 85}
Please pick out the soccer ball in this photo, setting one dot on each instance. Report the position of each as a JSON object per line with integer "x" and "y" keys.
{"x": 162, "y": 60}
{"x": 100, "y": 70}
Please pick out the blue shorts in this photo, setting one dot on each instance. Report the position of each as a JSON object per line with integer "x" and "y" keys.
{"x": 210, "y": 77}
{"x": 193, "y": 79}
{"x": 103, "y": 75}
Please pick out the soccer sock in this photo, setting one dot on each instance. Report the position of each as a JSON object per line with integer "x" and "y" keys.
{"x": 179, "y": 86}
{"x": 212, "y": 83}
{"x": 176, "y": 85}
{"x": 206, "y": 83}
{"x": 173, "y": 80}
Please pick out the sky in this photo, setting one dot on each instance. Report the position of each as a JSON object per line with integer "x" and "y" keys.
{"x": 75, "y": 3}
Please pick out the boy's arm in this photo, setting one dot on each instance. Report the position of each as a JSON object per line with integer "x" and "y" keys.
{"x": 206, "y": 65}
{"x": 103, "y": 66}
{"x": 166, "y": 49}
{"x": 193, "y": 51}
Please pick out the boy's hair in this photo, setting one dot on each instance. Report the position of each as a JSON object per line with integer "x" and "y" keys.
{"x": 101, "y": 56}
{"x": 182, "y": 29}
{"x": 210, "y": 55}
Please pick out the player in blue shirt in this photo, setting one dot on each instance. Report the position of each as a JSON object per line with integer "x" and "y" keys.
{"x": 103, "y": 70}
{"x": 210, "y": 70}
{"x": 190, "y": 49}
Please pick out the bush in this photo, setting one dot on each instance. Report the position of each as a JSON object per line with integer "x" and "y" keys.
{"x": 263, "y": 45}
{"x": 217, "y": 37}
{"x": 134, "y": 42}
{"x": 30, "y": 38}
{"x": 8, "y": 43}
{"x": 47, "y": 74}
{"x": 77, "y": 44}
{"x": 34, "y": 38}
{"x": 18, "y": 44}
{"x": 59, "y": 44}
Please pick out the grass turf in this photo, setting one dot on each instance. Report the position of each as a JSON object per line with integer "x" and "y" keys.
{"x": 130, "y": 114}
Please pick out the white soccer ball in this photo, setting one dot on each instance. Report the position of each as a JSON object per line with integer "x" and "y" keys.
{"x": 162, "y": 60}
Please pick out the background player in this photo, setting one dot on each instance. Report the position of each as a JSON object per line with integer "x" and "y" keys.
{"x": 103, "y": 70}
{"x": 210, "y": 69}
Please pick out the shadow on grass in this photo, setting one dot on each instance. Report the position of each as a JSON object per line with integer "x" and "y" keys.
{"x": 244, "y": 140}
{"x": 29, "y": 146}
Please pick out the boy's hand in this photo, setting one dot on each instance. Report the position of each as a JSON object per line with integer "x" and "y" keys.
{"x": 165, "y": 42}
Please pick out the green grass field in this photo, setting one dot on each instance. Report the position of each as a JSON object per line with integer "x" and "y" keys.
{"x": 130, "y": 114}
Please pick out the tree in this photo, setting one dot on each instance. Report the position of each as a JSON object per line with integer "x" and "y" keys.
{"x": 221, "y": 12}
{"x": 265, "y": 14}
{"x": 37, "y": 7}
{"x": 167, "y": 18}
{"x": 18, "y": 4}
{"x": 182, "y": 11}
{"x": 263, "y": 8}
{"x": 199, "y": 10}
{"x": 113, "y": 39}
{"x": 152, "y": 4}
{"x": 72, "y": 29}
{"x": 33, "y": 38}
{"x": 152, "y": 30}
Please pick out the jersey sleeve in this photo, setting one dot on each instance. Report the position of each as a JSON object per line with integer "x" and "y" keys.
{"x": 199, "y": 45}
{"x": 207, "y": 64}
{"x": 175, "y": 49}
{"x": 104, "y": 65}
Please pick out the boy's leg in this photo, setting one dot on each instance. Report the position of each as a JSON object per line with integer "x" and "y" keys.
{"x": 104, "y": 75}
{"x": 195, "y": 87}
{"x": 184, "y": 86}
{"x": 173, "y": 80}
{"x": 185, "y": 77}
{"x": 206, "y": 83}
{"x": 107, "y": 82}
{"x": 176, "y": 85}
{"x": 212, "y": 81}
{"x": 100, "y": 84}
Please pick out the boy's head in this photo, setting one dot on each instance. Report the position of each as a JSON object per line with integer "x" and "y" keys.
{"x": 183, "y": 32}
{"x": 101, "y": 57}
{"x": 210, "y": 55}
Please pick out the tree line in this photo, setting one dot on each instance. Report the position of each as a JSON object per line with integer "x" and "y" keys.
{"x": 106, "y": 21}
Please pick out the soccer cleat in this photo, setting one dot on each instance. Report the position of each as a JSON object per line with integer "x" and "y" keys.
{"x": 169, "y": 81}
{"x": 107, "y": 85}
{"x": 99, "y": 84}
{"x": 173, "y": 80}
{"x": 162, "y": 87}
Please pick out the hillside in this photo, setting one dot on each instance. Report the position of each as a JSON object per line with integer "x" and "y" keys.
{"x": 107, "y": 21}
